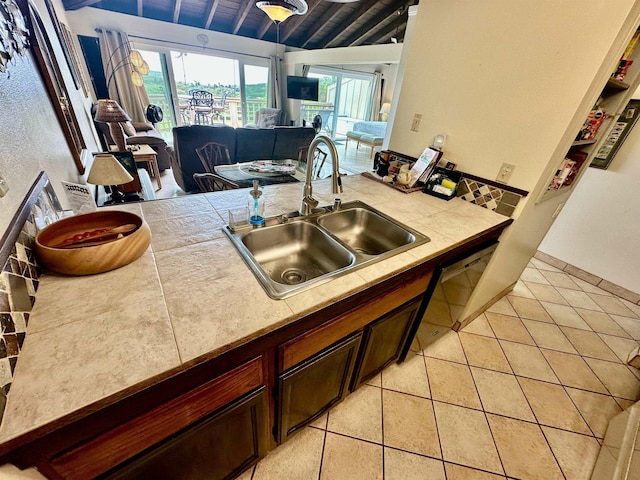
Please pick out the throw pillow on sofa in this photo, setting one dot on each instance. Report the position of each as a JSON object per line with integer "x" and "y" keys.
{"x": 268, "y": 120}
{"x": 128, "y": 129}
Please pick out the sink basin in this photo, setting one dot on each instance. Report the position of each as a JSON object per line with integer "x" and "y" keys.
{"x": 365, "y": 231}
{"x": 293, "y": 253}
{"x": 290, "y": 255}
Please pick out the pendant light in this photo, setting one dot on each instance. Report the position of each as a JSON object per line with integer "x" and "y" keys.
{"x": 279, "y": 10}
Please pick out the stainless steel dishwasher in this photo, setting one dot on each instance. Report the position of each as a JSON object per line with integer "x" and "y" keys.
{"x": 452, "y": 286}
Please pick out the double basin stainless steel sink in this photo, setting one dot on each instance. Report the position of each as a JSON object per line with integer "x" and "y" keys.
{"x": 290, "y": 255}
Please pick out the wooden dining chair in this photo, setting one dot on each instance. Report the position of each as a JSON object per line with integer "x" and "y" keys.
{"x": 210, "y": 182}
{"x": 212, "y": 154}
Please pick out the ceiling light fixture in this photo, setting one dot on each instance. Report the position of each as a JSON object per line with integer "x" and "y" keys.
{"x": 279, "y": 10}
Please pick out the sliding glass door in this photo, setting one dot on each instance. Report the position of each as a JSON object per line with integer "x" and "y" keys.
{"x": 344, "y": 98}
{"x": 195, "y": 88}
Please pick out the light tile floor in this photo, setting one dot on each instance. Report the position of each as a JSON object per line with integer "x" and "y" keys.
{"x": 524, "y": 392}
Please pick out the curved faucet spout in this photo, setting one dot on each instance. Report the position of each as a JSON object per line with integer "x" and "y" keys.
{"x": 308, "y": 202}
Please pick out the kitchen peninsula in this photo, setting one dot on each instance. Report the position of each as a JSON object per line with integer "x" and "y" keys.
{"x": 115, "y": 363}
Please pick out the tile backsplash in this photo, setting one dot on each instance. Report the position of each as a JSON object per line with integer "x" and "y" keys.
{"x": 20, "y": 275}
{"x": 498, "y": 199}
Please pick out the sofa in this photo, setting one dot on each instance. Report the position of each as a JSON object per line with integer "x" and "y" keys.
{"x": 367, "y": 133}
{"x": 244, "y": 144}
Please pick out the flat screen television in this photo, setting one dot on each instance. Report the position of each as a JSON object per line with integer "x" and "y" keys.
{"x": 302, "y": 88}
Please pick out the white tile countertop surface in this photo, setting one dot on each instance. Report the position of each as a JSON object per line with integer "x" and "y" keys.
{"x": 192, "y": 295}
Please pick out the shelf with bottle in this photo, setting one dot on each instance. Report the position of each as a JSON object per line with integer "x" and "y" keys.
{"x": 594, "y": 134}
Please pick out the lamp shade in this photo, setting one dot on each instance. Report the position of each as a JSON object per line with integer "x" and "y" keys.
{"x": 143, "y": 69}
{"x": 109, "y": 111}
{"x": 107, "y": 170}
{"x": 136, "y": 58}
{"x": 279, "y": 10}
{"x": 136, "y": 79}
{"x": 386, "y": 108}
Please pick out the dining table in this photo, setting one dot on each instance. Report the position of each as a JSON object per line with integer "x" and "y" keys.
{"x": 267, "y": 172}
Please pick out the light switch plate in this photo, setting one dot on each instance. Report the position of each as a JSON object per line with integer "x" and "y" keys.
{"x": 506, "y": 170}
{"x": 415, "y": 125}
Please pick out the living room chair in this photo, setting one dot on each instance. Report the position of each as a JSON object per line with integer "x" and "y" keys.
{"x": 210, "y": 182}
{"x": 212, "y": 154}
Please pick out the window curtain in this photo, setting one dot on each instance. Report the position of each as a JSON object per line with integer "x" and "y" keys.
{"x": 377, "y": 97}
{"x": 276, "y": 82}
{"x": 115, "y": 50}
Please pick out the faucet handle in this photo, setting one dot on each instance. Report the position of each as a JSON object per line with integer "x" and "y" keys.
{"x": 308, "y": 204}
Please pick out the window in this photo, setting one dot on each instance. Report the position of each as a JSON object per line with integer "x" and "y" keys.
{"x": 344, "y": 98}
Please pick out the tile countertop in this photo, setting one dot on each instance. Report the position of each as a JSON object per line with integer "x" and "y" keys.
{"x": 191, "y": 294}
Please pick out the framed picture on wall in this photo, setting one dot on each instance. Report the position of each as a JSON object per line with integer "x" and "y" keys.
{"x": 625, "y": 122}
{"x": 54, "y": 83}
{"x": 64, "y": 43}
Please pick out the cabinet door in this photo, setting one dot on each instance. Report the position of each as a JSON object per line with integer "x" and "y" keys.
{"x": 236, "y": 394}
{"x": 312, "y": 387}
{"x": 383, "y": 341}
{"x": 218, "y": 447}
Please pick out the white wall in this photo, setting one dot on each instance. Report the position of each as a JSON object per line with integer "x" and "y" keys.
{"x": 598, "y": 230}
{"x": 508, "y": 81}
{"x": 32, "y": 139}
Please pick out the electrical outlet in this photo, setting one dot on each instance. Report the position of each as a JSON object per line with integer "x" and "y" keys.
{"x": 506, "y": 170}
{"x": 415, "y": 125}
{"x": 4, "y": 188}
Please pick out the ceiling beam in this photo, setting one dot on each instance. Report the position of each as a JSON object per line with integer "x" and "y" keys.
{"x": 326, "y": 17}
{"x": 332, "y": 39}
{"x": 211, "y": 13}
{"x": 76, "y": 4}
{"x": 357, "y": 37}
{"x": 176, "y": 11}
{"x": 385, "y": 33}
{"x": 240, "y": 17}
{"x": 293, "y": 23}
{"x": 264, "y": 28}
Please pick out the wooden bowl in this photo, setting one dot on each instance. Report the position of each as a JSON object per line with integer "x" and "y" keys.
{"x": 87, "y": 260}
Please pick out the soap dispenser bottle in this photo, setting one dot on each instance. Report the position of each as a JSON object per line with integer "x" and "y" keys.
{"x": 256, "y": 205}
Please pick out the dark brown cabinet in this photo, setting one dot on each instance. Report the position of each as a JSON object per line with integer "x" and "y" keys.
{"x": 218, "y": 447}
{"x": 383, "y": 341}
{"x": 214, "y": 431}
{"x": 313, "y": 386}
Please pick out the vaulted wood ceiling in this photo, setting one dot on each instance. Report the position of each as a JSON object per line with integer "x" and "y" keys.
{"x": 326, "y": 24}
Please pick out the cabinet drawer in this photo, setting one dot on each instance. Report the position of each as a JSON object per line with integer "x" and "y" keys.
{"x": 129, "y": 439}
{"x": 307, "y": 344}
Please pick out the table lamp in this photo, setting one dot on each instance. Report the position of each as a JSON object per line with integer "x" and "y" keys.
{"x": 108, "y": 171}
{"x": 112, "y": 114}
{"x": 384, "y": 111}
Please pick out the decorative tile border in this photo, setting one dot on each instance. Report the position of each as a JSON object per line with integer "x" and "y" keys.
{"x": 20, "y": 274}
{"x": 480, "y": 192}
